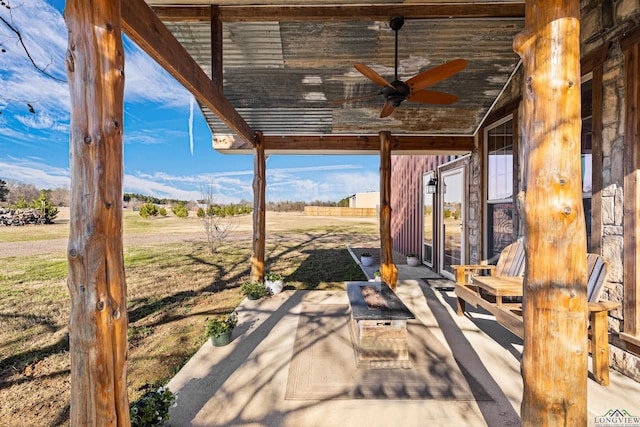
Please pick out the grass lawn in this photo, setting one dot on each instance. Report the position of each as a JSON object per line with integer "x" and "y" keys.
{"x": 172, "y": 288}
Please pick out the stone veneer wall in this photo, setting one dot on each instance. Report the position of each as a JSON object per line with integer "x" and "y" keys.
{"x": 626, "y": 15}
{"x": 613, "y": 119}
{"x": 622, "y": 16}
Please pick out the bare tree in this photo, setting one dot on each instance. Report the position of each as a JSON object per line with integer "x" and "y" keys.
{"x": 218, "y": 228}
{"x": 59, "y": 196}
{"x": 21, "y": 191}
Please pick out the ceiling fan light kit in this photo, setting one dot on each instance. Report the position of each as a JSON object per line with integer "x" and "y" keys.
{"x": 398, "y": 91}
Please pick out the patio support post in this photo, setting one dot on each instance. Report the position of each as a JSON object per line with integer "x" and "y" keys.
{"x": 98, "y": 315}
{"x": 259, "y": 228}
{"x": 554, "y": 360}
{"x": 388, "y": 270}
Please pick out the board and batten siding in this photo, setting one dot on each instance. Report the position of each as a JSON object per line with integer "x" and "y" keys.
{"x": 406, "y": 199}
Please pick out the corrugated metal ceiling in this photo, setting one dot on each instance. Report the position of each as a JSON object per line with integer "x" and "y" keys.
{"x": 285, "y": 77}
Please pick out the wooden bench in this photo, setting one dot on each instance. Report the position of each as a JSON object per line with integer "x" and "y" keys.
{"x": 510, "y": 264}
{"x": 489, "y": 292}
{"x": 379, "y": 325}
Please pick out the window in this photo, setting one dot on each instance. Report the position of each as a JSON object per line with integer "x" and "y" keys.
{"x": 500, "y": 207}
{"x": 586, "y": 153}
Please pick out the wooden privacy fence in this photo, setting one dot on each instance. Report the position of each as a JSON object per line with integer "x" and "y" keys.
{"x": 339, "y": 211}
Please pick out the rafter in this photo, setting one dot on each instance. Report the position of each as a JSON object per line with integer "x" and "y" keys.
{"x": 341, "y": 13}
{"x": 147, "y": 31}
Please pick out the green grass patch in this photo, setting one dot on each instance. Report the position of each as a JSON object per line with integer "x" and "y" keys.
{"x": 171, "y": 290}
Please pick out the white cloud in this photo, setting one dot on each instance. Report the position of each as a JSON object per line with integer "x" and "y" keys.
{"x": 325, "y": 187}
{"x": 35, "y": 172}
{"x": 146, "y": 81}
{"x": 227, "y": 187}
{"x": 21, "y": 83}
{"x": 140, "y": 185}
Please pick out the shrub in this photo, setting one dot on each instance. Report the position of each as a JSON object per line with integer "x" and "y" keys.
{"x": 45, "y": 207}
{"x": 152, "y": 407}
{"x": 200, "y": 213}
{"x": 148, "y": 209}
{"x": 20, "y": 204}
{"x": 180, "y": 210}
{"x": 162, "y": 212}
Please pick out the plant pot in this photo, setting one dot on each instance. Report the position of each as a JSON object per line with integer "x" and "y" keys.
{"x": 222, "y": 339}
{"x": 413, "y": 261}
{"x": 366, "y": 260}
{"x": 274, "y": 287}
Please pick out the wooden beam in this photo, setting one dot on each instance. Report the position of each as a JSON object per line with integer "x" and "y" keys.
{"x": 308, "y": 13}
{"x": 96, "y": 281}
{"x": 259, "y": 223}
{"x": 216, "y": 48}
{"x": 356, "y": 144}
{"x": 632, "y": 193}
{"x": 554, "y": 359}
{"x": 388, "y": 270}
{"x": 147, "y": 31}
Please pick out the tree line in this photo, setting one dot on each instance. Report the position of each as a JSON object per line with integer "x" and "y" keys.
{"x": 14, "y": 194}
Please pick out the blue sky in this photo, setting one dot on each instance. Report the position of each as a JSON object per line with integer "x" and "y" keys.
{"x": 161, "y": 159}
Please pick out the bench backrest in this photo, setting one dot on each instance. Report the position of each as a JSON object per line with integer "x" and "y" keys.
{"x": 511, "y": 260}
{"x": 596, "y": 273}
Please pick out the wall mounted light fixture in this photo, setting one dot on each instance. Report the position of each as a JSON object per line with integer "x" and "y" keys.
{"x": 432, "y": 186}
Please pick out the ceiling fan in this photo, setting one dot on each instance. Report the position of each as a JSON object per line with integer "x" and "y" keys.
{"x": 414, "y": 89}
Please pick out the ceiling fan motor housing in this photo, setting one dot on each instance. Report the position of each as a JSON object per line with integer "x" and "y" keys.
{"x": 398, "y": 94}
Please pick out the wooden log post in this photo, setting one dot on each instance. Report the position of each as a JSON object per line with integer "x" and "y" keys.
{"x": 554, "y": 360}
{"x": 388, "y": 270}
{"x": 98, "y": 318}
{"x": 259, "y": 227}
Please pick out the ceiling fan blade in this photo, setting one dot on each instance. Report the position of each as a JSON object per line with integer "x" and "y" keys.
{"x": 435, "y": 75}
{"x": 359, "y": 98}
{"x": 432, "y": 97}
{"x": 372, "y": 75}
{"x": 387, "y": 110}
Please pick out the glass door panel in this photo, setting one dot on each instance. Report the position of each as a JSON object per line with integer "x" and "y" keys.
{"x": 427, "y": 221}
{"x": 451, "y": 220}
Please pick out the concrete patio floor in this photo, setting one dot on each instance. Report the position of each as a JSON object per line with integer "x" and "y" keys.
{"x": 244, "y": 383}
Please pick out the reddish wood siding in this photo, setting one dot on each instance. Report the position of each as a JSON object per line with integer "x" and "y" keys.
{"x": 406, "y": 199}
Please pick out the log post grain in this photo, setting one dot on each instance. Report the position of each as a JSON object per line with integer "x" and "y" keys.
{"x": 259, "y": 226}
{"x": 98, "y": 317}
{"x": 388, "y": 270}
{"x": 554, "y": 360}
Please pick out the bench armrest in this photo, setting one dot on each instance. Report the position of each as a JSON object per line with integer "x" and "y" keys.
{"x": 462, "y": 273}
{"x": 595, "y": 307}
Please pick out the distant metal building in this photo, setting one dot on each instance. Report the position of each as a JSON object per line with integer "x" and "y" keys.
{"x": 370, "y": 199}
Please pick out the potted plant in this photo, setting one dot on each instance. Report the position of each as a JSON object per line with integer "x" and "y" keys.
{"x": 376, "y": 276}
{"x": 253, "y": 290}
{"x": 366, "y": 259}
{"x": 274, "y": 282}
{"x": 152, "y": 408}
{"x": 413, "y": 260}
{"x": 219, "y": 329}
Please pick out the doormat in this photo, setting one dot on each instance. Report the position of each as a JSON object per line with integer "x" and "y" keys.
{"x": 323, "y": 364}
